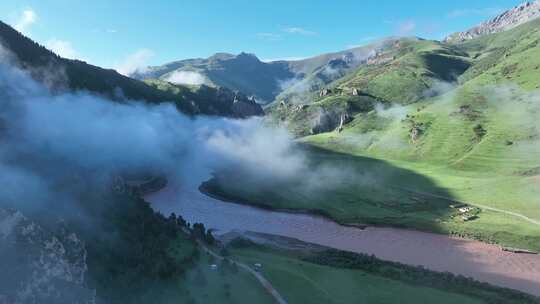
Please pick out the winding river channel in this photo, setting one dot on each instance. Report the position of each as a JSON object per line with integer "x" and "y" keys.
{"x": 481, "y": 261}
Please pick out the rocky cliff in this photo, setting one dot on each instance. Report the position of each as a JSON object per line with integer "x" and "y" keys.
{"x": 516, "y": 16}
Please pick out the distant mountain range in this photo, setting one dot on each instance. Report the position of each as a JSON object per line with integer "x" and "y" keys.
{"x": 63, "y": 74}
{"x": 243, "y": 72}
{"x": 301, "y": 79}
{"x": 263, "y": 80}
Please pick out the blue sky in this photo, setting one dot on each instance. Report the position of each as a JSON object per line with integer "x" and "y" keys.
{"x": 124, "y": 34}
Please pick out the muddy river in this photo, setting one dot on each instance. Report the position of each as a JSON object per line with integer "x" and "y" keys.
{"x": 481, "y": 261}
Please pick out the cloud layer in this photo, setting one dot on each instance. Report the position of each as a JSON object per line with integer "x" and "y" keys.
{"x": 186, "y": 77}
{"x": 135, "y": 63}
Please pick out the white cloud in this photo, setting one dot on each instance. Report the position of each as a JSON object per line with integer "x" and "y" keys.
{"x": 299, "y": 30}
{"x": 25, "y": 20}
{"x": 62, "y": 48}
{"x": 186, "y": 77}
{"x": 136, "y": 62}
{"x": 406, "y": 28}
{"x": 269, "y": 36}
{"x": 285, "y": 59}
{"x": 490, "y": 11}
{"x": 394, "y": 112}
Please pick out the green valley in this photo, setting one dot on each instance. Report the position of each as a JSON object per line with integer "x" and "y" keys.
{"x": 462, "y": 116}
{"x": 403, "y": 169}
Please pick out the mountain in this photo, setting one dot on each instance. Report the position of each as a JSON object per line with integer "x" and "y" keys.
{"x": 400, "y": 72}
{"x": 463, "y": 115}
{"x": 263, "y": 80}
{"x": 62, "y": 74}
{"x": 211, "y": 100}
{"x": 243, "y": 72}
{"x": 300, "y": 80}
{"x": 510, "y": 19}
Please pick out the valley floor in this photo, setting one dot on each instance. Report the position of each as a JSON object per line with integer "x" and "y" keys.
{"x": 306, "y": 274}
{"x": 484, "y": 262}
{"x": 500, "y": 209}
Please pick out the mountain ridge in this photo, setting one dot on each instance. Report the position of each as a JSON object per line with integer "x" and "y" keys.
{"x": 273, "y": 80}
{"x": 78, "y": 75}
{"x": 509, "y": 19}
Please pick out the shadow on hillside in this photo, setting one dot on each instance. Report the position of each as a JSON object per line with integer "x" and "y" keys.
{"x": 349, "y": 189}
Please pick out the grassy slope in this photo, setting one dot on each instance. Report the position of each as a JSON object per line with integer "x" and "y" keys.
{"x": 201, "y": 284}
{"x": 219, "y": 286}
{"x": 302, "y": 281}
{"x": 479, "y": 170}
{"x": 496, "y": 167}
{"x": 416, "y": 67}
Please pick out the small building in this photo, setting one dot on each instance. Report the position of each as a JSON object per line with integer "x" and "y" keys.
{"x": 465, "y": 209}
{"x": 258, "y": 266}
{"x": 213, "y": 267}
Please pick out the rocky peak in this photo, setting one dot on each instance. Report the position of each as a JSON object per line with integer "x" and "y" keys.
{"x": 247, "y": 57}
{"x": 221, "y": 56}
{"x": 518, "y": 15}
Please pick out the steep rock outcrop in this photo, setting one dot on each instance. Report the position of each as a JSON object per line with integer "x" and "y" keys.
{"x": 516, "y": 16}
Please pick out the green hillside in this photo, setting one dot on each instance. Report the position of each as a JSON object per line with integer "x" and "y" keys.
{"x": 463, "y": 116}
{"x": 331, "y": 276}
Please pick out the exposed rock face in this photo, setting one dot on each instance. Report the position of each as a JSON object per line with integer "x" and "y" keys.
{"x": 416, "y": 132}
{"x": 39, "y": 266}
{"x": 348, "y": 58}
{"x": 339, "y": 63}
{"x": 245, "y": 107}
{"x": 225, "y": 102}
{"x": 343, "y": 120}
{"x": 380, "y": 59}
{"x": 327, "y": 121}
{"x": 518, "y": 15}
{"x": 325, "y": 92}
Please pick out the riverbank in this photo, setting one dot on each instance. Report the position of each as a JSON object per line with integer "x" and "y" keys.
{"x": 452, "y": 226}
{"x": 309, "y": 273}
{"x": 481, "y": 261}
{"x": 206, "y": 189}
